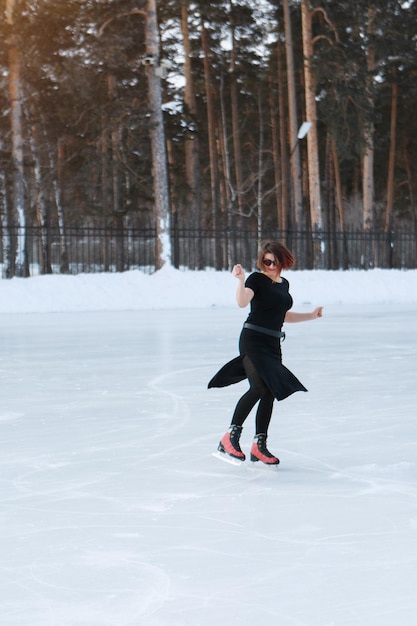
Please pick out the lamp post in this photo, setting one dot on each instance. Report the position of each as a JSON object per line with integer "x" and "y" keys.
{"x": 302, "y": 132}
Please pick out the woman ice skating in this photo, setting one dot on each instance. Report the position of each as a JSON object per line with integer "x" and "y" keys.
{"x": 260, "y": 359}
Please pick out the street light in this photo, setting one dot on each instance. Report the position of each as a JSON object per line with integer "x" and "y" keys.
{"x": 302, "y": 132}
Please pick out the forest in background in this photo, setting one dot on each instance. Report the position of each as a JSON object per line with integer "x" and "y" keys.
{"x": 185, "y": 115}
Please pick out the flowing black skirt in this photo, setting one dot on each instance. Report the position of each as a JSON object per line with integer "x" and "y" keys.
{"x": 265, "y": 353}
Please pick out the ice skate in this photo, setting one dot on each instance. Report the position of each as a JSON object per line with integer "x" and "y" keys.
{"x": 259, "y": 451}
{"x": 229, "y": 444}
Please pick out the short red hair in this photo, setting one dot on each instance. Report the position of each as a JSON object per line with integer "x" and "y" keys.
{"x": 282, "y": 254}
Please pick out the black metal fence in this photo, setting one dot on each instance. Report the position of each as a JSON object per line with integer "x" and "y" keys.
{"x": 91, "y": 250}
{"x": 350, "y": 249}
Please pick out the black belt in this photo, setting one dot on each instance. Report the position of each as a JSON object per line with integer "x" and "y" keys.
{"x": 267, "y": 331}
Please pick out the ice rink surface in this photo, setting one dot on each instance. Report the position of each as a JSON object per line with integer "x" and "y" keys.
{"x": 114, "y": 512}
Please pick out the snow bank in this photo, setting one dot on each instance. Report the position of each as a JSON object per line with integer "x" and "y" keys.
{"x": 171, "y": 289}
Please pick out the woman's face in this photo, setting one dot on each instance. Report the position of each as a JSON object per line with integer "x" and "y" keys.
{"x": 270, "y": 266}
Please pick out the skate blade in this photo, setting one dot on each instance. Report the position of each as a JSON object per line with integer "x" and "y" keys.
{"x": 258, "y": 465}
{"x": 226, "y": 458}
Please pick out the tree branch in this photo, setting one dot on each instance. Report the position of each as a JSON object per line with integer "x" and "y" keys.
{"x": 327, "y": 20}
{"x": 116, "y": 17}
{"x": 318, "y": 37}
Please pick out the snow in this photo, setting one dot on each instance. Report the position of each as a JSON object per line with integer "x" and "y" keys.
{"x": 170, "y": 288}
{"x": 114, "y": 511}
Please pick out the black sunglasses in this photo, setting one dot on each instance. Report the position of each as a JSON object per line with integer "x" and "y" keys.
{"x": 268, "y": 262}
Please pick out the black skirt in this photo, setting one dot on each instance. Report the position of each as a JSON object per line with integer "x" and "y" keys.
{"x": 265, "y": 353}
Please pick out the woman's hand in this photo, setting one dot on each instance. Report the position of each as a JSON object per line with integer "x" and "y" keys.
{"x": 238, "y": 272}
{"x": 243, "y": 294}
{"x": 293, "y": 317}
{"x": 318, "y": 312}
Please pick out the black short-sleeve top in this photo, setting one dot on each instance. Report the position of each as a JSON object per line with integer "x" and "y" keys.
{"x": 270, "y": 302}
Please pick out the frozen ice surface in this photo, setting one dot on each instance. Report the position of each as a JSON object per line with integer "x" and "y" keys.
{"x": 114, "y": 512}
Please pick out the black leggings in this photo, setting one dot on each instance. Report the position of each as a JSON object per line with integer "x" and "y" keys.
{"x": 258, "y": 392}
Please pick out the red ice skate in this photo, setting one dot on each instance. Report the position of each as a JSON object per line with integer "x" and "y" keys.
{"x": 229, "y": 444}
{"x": 259, "y": 451}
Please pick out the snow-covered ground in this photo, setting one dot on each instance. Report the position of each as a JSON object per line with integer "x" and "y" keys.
{"x": 113, "y": 510}
{"x": 170, "y": 288}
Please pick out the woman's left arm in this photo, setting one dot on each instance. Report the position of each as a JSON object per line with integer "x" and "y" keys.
{"x": 291, "y": 316}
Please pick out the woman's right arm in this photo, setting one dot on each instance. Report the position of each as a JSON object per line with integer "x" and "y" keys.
{"x": 243, "y": 294}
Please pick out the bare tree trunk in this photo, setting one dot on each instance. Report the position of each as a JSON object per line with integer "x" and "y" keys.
{"x": 338, "y": 185}
{"x": 410, "y": 185}
{"x": 56, "y": 169}
{"x": 311, "y": 116}
{"x": 275, "y": 151}
{"x": 158, "y": 145}
{"x": 115, "y": 135}
{"x": 106, "y": 191}
{"x": 156, "y": 131}
{"x": 297, "y": 201}
{"x": 117, "y": 197}
{"x": 368, "y": 182}
{"x": 211, "y": 125}
{"x": 6, "y": 259}
{"x": 234, "y": 98}
{"x": 192, "y": 144}
{"x": 368, "y": 156}
{"x": 391, "y": 160}
{"x": 260, "y": 169}
{"x": 42, "y": 212}
{"x": 222, "y": 146}
{"x": 111, "y": 178}
{"x": 283, "y": 222}
{"x": 16, "y": 122}
{"x": 230, "y": 191}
